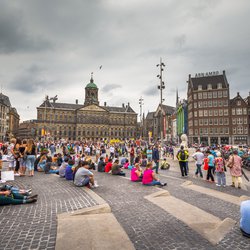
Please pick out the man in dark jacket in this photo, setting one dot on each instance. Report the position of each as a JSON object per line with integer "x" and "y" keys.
{"x": 101, "y": 165}
{"x": 156, "y": 158}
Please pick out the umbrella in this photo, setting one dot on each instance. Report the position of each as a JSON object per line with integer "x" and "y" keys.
{"x": 244, "y": 174}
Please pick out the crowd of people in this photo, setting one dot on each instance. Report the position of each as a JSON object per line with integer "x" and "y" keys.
{"x": 76, "y": 161}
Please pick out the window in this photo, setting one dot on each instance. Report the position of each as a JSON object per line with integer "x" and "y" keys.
{"x": 209, "y": 95}
{"x": 214, "y": 94}
{"x": 200, "y": 122}
{"x": 205, "y": 131}
{"x": 239, "y": 120}
{"x": 245, "y": 120}
{"x": 204, "y": 104}
{"x": 238, "y": 103}
{"x": 201, "y": 131}
{"x": 221, "y": 121}
{"x": 211, "y": 130}
{"x": 195, "y": 105}
{"x": 195, "y": 122}
{"x": 199, "y": 87}
{"x": 225, "y": 93}
{"x": 221, "y": 130}
{"x": 234, "y": 121}
{"x": 225, "y": 103}
{"x": 226, "y": 121}
{"x": 220, "y": 112}
{"x": 195, "y": 113}
{"x": 219, "y": 86}
{"x": 215, "y": 130}
{"x": 225, "y": 112}
{"x": 214, "y": 103}
{"x": 210, "y": 112}
{"x": 205, "y": 113}
{"x": 216, "y": 112}
{"x": 215, "y": 121}
{"x": 240, "y": 130}
{"x": 233, "y": 111}
{"x": 204, "y": 95}
{"x": 196, "y": 131}
{"x": 210, "y": 104}
{"x": 220, "y": 103}
{"x": 209, "y": 86}
{"x": 226, "y": 130}
{"x": 234, "y": 131}
{"x": 219, "y": 94}
{"x": 200, "y": 113}
{"x": 199, "y": 95}
{"x": 239, "y": 111}
{"x": 199, "y": 104}
{"x": 246, "y": 131}
{"x": 210, "y": 121}
{"x": 244, "y": 111}
{"x": 195, "y": 96}
{"x": 205, "y": 121}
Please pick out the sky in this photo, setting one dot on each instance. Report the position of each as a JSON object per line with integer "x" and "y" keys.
{"x": 51, "y": 47}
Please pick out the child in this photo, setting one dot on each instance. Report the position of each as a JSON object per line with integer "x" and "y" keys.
{"x": 126, "y": 164}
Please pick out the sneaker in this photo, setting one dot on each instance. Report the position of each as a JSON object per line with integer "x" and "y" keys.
{"x": 33, "y": 197}
{"x": 16, "y": 174}
{"x": 218, "y": 185}
{"x": 164, "y": 184}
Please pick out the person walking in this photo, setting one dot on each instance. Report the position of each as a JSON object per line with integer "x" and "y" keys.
{"x": 182, "y": 156}
{"x": 198, "y": 156}
{"x": 235, "y": 165}
{"x": 220, "y": 170}
{"x": 210, "y": 166}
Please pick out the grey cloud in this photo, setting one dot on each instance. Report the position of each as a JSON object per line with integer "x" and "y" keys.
{"x": 110, "y": 87}
{"x": 151, "y": 91}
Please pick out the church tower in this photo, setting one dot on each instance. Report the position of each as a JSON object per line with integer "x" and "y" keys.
{"x": 91, "y": 93}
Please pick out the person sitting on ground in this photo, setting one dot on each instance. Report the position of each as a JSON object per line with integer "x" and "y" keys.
{"x": 165, "y": 165}
{"x": 108, "y": 166}
{"x": 62, "y": 168}
{"x": 59, "y": 159}
{"x": 136, "y": 173}
{"x": 106, "y": 158}
{"x": 245, "y": 218}
{"x": 116, "y": 169}
{"x": 126, "y": 164}
{"x": 101, "y": 165}
{"x": 149, "y": 178}
{"x": 9, "y": 198}
{"x": 144, "y": 161}
{"x": 84, "y": 177}
{"x": 42, "y": 163}
{"x": 69, "y": 170}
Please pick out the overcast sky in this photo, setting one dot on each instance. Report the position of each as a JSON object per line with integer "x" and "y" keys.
{"x": 51, "y": 47}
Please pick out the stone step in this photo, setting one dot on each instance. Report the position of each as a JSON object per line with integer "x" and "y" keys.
{"x": 207, "y": 225}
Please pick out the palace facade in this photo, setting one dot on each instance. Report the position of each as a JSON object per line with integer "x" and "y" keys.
{"x": 89, "y": 121}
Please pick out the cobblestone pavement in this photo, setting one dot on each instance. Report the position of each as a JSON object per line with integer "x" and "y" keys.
{"x": 34, "y": 226}
{"x": 150, "y": 227}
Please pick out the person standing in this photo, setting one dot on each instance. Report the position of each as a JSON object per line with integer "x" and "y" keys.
{"x": 156, "y": 158}
{"x": 220, "y": 170}
{"x": 149, "y": 154}
{"x": 30, "y": 151}
{"x": 210, "y": 166}
{"x": 182, "y": 156}
{"x": 235, "y": 165}
{"x": 132, "y": 155}
{"x": 198, "y": 156}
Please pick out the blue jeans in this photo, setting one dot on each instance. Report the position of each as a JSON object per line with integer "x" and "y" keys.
{"x": 198, "y": 170}
{"x": 156, "y": 167}
{"x": 221, "y": 178}
{"x": 153, "y": 183}
{"x": 30, "y": 162}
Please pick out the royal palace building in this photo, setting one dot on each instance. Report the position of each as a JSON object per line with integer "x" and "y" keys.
{"x": 89, "y": 121}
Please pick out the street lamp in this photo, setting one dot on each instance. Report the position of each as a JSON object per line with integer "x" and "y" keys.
{"x": 141, "y": 103}
{"x": 161, "y": 86}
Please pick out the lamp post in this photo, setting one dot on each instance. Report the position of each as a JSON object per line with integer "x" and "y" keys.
{"x": 141, "y": 103}
{"x": 161, "y": 86}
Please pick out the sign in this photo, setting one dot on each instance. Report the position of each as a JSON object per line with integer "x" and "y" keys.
{"x": 211, "y": 73}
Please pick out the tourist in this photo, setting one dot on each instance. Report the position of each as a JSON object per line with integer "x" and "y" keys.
{"x": 30, "y": 151}
{"x": 182, "y": 157}
{"x": 235, "y": 165}
{"x": 69, "y": 170}
{"x": 149, "y": 178}
{"x": 11, "y": 154}
{"x": 220, "y": 169}
{"x": 165, "y": 165}
{"x": 132, "y": 154}
{"x": 116, "y": 168}
{"x": 149, "y": 154}
{"x": 210, "y": 166}
{"x": 156, "y": 158}
{"x": 199, "y": 157}
{"x": 136, "y": 173}
{"x": 101, "y": 165}
{"x": 245, "y": 218}
{"x": 108, "y": 166}
{"x": 84, "y": 177}
{"x": 62, "y": 168}
{"x": 23, "y": 157}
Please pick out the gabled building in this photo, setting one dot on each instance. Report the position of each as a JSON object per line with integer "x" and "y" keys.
{"x": 239, "y": 120}
{"x": 208, "y": 109}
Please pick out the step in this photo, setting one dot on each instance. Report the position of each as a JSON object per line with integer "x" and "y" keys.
{"x": 207, "y": 225}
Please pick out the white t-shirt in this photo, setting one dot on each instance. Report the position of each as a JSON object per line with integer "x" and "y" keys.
{"x": 198, "y": 156}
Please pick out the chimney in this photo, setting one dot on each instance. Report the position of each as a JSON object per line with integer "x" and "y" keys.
{"x": 128, "y": 104}
{"x": 238, "y": 93}
{"x": 123, "y": 105}
{"x": 105, "y": 104}
{"x": 76, "y": 101}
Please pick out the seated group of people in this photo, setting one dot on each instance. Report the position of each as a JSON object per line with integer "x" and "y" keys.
{"x": 10, "y": 195}
{"x": 79, "y": 174}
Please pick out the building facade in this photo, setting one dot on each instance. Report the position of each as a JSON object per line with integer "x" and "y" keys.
{"x": 9, "y": 119}
{"x": 208, "y": 109}
{"x": 239, "y": 121}
{"x": 85, "y": 121}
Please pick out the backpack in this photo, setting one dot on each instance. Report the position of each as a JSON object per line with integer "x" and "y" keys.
{"x": 182, "y": 155}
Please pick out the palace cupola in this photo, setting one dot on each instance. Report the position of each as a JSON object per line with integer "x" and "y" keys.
{"x": 91, "y": 93}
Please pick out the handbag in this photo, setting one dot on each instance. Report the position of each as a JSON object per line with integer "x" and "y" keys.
{"x": 230, "y": 164}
